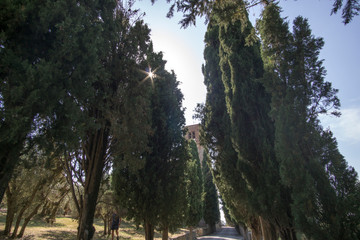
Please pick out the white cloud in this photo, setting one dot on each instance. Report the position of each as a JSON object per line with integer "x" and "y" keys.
{"x": 347, "y": 127}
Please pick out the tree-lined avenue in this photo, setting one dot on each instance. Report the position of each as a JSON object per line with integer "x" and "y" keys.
{"x": 226, "y": 233}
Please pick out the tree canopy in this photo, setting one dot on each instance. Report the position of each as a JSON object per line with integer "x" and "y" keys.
{"x": 204, "y": 8}
{"x": 70, "y": 82}
{"x": 82, "y": 85}
{"x": 211, "y": 201}
{"x": 295, "y": 78}
{"x": 194, "y": 188}
{"x": 260, "y": 125}
{"x": 154, "y": 193}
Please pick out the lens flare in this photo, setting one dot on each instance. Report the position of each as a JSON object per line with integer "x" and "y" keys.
{"x": 149, "y": 75}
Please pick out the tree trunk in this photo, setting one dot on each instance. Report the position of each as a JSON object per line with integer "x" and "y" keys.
{"x": 18, "y": 219}
{"x": 95, "y": 152}
{"x": 243, "y": 231}
{"x": 4, "y": 179}
{"x": 213, "y": 227}
{"x": 109, "y": 223}
{"x": 165, "y": 233}
{"x": 26, "y": 206}
{"x": 27, "y": 220}
{"x": 9, "y": 156}
{"x": 104, "y": 218}
{"x": 149, "y": 231}
{"x": 55, "y": 207}
{"x": 71, "y": 183}
{"x": 268, "y": 230}
{"x": 44, "y": 209}
{"x": 256, "y": 235}
{"x": 255, "y": 229}
{"x": 10, "y": 212}
{"x": 288, "y": 234}
{"x": 9, "y": 220}
{"x": 191, "y": 233}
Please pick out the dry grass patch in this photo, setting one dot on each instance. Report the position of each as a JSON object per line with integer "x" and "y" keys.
{"x": 65, "y": 228}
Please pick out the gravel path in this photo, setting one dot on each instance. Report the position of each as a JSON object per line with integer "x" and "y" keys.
{"x": 226, "y": 233}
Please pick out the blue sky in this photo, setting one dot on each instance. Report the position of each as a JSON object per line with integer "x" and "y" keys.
{"x": 183, "y": 49}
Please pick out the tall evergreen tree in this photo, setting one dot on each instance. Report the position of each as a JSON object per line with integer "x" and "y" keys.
{"x": 194, "y": 189}
{"x": 248, "y": 175}
{"x": 349, "y": 11}
{"x": 191, "y": 9}
{"x": 295, "y": 78}
{"x": 117, "y": 105}
{"x": 34, "y": 78}
{"x": 344, "y": 180}
{"x": 154, "y": 194}
{"x": 216, "y": 132}
{"x": 69, "y": 72}
{"x": 211, "y": 201}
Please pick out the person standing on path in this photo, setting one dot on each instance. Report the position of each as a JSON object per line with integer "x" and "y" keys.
{"x": 115, "y": 223}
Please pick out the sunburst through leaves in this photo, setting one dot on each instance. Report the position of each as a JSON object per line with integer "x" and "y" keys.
{"x": 149, "y": 75}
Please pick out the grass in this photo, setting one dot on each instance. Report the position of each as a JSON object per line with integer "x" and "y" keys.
{"x": 65, "y": 228}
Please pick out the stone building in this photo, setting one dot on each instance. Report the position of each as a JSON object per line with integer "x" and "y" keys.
{"x": 193, "y": 132}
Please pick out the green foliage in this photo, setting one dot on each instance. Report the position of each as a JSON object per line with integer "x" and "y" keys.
{"x": 194, "y": 188}
{"x": 216, "y": 130}
{"x": 70, "y": 80}
{"x": 211, "y": 202}
{"x": 106, "y": 205}
{"x": 345, "y": 184}
{"x": 204, "y": 8}
{"x": 154, "y": 194}
{"x": 262, "y": 164}
{"x": 50, "y": 61}
{"x": 215, "y": 127}
{"x": 349, "y": 11}
{"x": 28, "y": 196}
{"x": 295, "y": 78}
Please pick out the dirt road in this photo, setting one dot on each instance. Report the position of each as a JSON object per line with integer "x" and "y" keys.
{"x": 226, "y": 233}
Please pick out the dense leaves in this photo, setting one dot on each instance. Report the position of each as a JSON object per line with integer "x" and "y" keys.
{"x": 70, "y": 81}
{"x": 216, "y": 132}
{"x": 72, "y": 85}
{"x": 154, "y": 194}
{"x": 295, "y": 78}
{"x": 349, "y": 11}
{"x": 193, "y": 9}
{"x": 211, "y": 202}
{"x": 28, "y": 196}
{"x": 194, "y": 188}
{"x": 260, "y": 125}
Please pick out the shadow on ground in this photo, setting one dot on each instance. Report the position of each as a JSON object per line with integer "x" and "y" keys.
{"x": 59, "y": 235}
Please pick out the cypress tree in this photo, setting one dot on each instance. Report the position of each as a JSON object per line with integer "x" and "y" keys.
{"x": 191, "y": 10}
{"x": 154, "y": 194}
{"x": 216, "y": 133}
{"x": 74, "y": 69}
{"x": 211, "y": 201}
{"x": 43, "y": 71}
{"x": 349, "y": 11}
{"x": 295, "y": 78}
{"x": 194, "y": 189}
{"x": 118, "y": 105}
{"x": 344, "y": 181}
{"x": 245, "y": 166}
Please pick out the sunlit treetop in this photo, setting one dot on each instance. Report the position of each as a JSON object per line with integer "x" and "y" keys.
{"x": 192, "y": 9}
{"x": 149, "y": 74}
